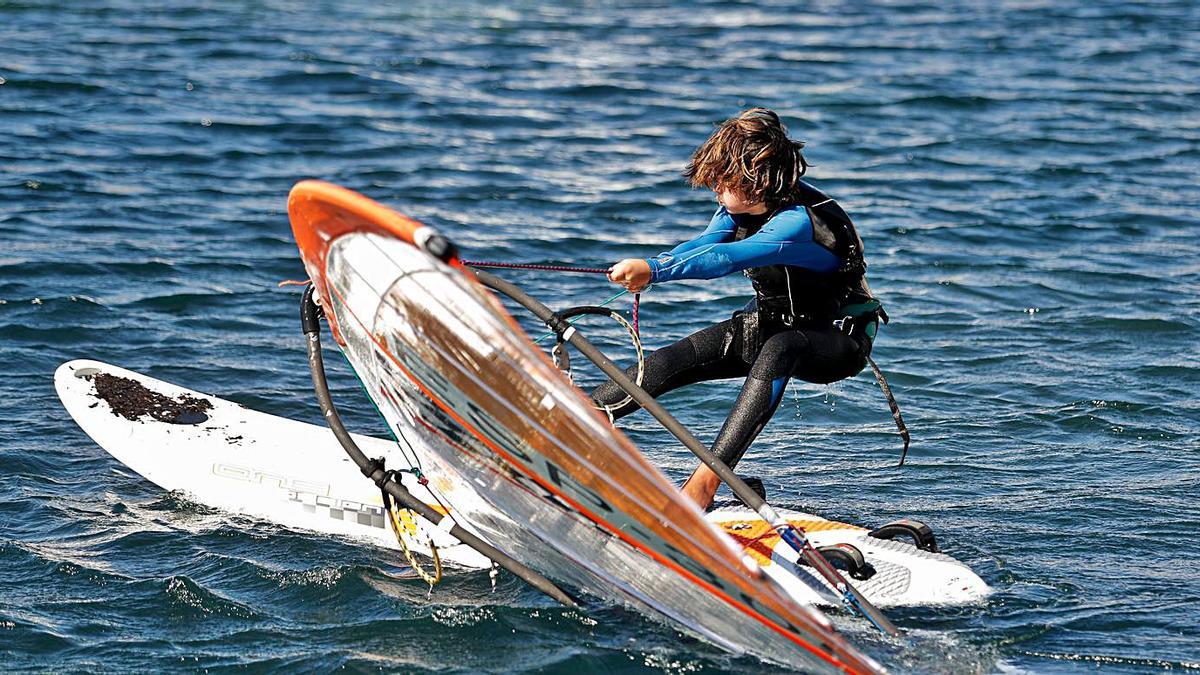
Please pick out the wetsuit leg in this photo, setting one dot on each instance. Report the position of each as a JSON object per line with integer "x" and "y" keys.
{"x": 703, "y": 355}
{"x": 819, "y": 356}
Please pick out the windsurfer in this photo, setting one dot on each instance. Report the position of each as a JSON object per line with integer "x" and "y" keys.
{"x": 813, "y": 316}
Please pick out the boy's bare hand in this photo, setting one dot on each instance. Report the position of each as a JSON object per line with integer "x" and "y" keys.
{"x": 632, "y": 273}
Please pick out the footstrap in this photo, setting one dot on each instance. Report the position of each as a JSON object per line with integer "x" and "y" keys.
{"x": 887, "y": 391}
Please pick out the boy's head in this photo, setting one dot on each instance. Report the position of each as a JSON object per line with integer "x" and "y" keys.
{"x": 749, "y": 161}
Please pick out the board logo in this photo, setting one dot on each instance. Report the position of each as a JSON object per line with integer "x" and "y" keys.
{"x": 268, "y": 478}
{"x": 342, "y": 509}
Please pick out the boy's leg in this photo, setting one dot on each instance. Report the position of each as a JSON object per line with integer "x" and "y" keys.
{"x": 815, "y": 356}
{"x": 698, "y": 357}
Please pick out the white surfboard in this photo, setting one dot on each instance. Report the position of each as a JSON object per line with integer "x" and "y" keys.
{"x": 297, "y": 475}
{"x": 252, "y": 463}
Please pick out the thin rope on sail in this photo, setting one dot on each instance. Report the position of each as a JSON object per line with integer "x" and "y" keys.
{"x": 430, "y": 578}
{"x": 572, "y": 322}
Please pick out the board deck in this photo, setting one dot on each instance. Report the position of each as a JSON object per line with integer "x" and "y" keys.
{"x": 296, "y": 474}
{"x": 904, "y": 575}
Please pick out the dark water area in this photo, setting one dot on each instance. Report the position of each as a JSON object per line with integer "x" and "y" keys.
{"x": 1024, "y": 175}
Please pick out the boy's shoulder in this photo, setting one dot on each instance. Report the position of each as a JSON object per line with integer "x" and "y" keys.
{"x": 791, "y": 217}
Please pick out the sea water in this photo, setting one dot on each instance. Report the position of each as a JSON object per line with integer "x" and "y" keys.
{"x": 1024, "y": 174}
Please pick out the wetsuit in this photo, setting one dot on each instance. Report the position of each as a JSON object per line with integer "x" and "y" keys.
{"x": 813, "y": 316}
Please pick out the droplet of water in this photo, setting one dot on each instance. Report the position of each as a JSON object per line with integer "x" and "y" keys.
{"x": 37, "y": 301}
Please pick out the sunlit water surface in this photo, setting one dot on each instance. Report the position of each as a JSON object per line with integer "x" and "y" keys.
{"x": 1024, "y": 174}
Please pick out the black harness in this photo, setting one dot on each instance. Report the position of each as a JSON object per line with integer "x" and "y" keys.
{"x": 788, "y": 296}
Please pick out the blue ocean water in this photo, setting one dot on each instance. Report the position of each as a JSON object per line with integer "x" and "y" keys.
{"x": 1024, "y": 174}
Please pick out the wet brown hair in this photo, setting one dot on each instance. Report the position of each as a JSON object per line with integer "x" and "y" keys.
{"x": 752, "y": 156}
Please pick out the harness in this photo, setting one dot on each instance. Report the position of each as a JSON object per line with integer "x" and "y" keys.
{"x": 789, "y": 297}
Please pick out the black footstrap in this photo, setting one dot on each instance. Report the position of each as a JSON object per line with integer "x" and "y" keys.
{"x": 887, "y": 391}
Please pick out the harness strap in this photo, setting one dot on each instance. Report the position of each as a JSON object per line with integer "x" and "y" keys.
{"x": 887, "y": 391}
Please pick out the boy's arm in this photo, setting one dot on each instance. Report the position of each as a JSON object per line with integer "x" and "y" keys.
{"x": 786, "y": 240}
{"x": 719, "y": 229}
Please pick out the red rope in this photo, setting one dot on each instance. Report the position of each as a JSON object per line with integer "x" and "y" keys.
{"x": 531, "y": 266}
{"x": 637, "y": 297}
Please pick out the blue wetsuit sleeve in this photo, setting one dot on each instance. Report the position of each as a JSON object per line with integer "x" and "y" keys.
{"x": 719, "y": 229}
{"x": 786, "y": 239}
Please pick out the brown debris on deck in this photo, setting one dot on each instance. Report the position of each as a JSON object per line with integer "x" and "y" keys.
{"x": 133, "y": 401}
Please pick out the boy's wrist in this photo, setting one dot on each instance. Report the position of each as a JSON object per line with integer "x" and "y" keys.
{"x": 653, "y": 264}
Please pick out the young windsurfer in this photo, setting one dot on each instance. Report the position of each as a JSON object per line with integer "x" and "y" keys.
{"x": 813, "y": 316}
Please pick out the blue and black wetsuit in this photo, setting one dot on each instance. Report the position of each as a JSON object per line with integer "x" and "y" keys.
{"x": 813, "y": 316}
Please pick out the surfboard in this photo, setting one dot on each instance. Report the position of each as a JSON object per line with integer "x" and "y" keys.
{"x": 294, "y": 474}
{"x": 224, "y": 455}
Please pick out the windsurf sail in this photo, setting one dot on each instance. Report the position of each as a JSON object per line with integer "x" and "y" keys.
{"x": 518, "y": 453}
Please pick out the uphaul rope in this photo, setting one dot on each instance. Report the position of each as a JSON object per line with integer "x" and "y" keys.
{"x": 637, "y": 297}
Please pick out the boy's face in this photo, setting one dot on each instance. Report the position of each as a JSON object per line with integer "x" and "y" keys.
{"x": 733, "y": 203}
